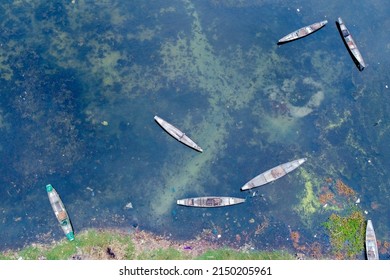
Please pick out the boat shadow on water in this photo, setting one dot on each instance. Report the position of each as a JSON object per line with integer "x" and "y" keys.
{"x": 350, "y": 44}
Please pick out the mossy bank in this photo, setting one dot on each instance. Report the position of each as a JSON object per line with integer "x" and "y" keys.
{"x": 116, "y": 245}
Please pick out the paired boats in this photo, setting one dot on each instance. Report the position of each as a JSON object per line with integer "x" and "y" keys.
{"x": 273, "y": 174}
{"x": 210, "y": 201}
{"x": 60, "y": 212}
{"x": 262, "y": 179}
{"x": 302, "y": 32}
{"x": 350, "y": 44}
{"x": 344, "y": 33}
{"x": 177, "y": 134}
{"x": 371, "y": 245}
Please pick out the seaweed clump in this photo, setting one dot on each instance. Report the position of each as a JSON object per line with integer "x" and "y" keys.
{"x": 346, "y": 234}
{"x": 343, "y": 189}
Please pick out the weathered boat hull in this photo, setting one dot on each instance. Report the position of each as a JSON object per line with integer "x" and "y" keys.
{"x": 273, "y": 174}
{"x": 350, "y": 44}
{"x": 177, "y": 134}
{"x": 302, "y": 32}
{"x": 371, "y": 244}
{"x": 210, "y": 201}
{"x": 60, "y": 212}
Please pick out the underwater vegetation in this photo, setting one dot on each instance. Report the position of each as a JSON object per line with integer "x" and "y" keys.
{"x": 82, "y": 80}
{"x": 347, "y": 234}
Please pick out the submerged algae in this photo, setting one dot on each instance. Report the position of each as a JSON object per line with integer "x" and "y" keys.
{"x": 220, "y": 79}
{"x": 194, "y": 59}
{"x": 347, "y": 234}
{"x": 126, "y": 54}
{"x": 309, "y": 203}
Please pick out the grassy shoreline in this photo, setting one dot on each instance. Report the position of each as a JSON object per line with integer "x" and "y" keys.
{"x": 94, "y": 244}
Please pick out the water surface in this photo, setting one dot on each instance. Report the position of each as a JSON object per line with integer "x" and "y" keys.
{"x": 80, "y": 83}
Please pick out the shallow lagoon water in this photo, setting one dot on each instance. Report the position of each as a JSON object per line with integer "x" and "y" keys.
{"x": 81, "y": 83}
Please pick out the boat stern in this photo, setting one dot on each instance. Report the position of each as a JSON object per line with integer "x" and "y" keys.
{"x": 246, "y": 187}
{"x": 361, "y": 66}
{"x": 49, "y": 188}
{"x": 199, "y": 149}
{"x": 70, "y": 236}
{"x": 302, "y": 160}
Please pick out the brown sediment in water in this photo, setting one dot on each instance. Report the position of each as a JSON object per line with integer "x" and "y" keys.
{"x": 344, "y": 189}
{"x": 325, "y": 198}
{"x": 295, "y": 236}
{"x": 383, "y": 247}
{"x": 374, "y": 205}
{"x": 316, "y": 251}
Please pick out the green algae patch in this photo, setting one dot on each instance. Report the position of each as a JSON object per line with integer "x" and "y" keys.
{"x": 309, "y": 203}
{"x": 279, "y": 129}
{"x": 340, "y": 121}
{"x": 347, "y": 234}
{"x": 6, "y": 72}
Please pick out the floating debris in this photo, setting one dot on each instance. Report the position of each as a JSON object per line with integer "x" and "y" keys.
{"x": 357, "y": 201}
{"x": 129, "y": 206}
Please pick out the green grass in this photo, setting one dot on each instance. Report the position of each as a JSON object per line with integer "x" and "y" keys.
{"x": 3, "y": 257}
{"x": 163, "y": 254}
{"x": 93, "y": 244}
{"x": 229, "y": 254}
{"x": 30, "y": 253}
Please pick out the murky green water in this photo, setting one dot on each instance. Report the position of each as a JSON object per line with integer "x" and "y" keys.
{"x": 80, "y": 83}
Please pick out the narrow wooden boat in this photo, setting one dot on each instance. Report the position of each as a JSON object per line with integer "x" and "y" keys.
{"x": 177, "y": 134}
{"x": 371, "y": 245}
{"x": 273, "y": 174}
{"x": 350, "y": 44}
{"x": 60, "y": 212}
{"x": 303, "y": 32}
{"x": 210, "y": 201}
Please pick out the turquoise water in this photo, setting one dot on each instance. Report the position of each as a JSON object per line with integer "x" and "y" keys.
{"x": 80, "y": 83}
